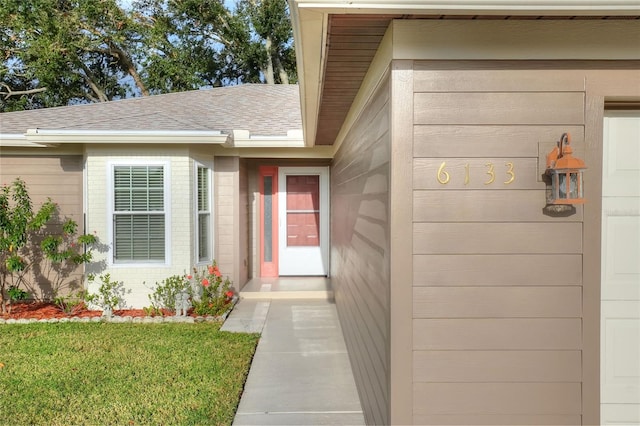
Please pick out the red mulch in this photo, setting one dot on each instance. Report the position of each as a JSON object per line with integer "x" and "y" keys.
{"x": 47, "y": 310}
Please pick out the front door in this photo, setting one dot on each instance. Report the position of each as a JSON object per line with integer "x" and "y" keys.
{"x": 620, "y": 304}
{"x": 303, "y": 210}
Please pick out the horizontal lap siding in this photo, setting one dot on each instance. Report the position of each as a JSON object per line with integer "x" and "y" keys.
{"x": 227, "y": 215}
{"x": 497, "y": 298}
{"x": 58, "y": 178}
{"x": 243, "y": 225}
{"x": 360, "y": 252}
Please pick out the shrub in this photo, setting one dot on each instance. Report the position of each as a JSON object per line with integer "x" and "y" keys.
{"x": 164, "y": 294}
{"x": 26, "y": 240}
{"x": 15, "y": 294}
{"x": 212, "y": 293}
{"x": 70, "y": 303}
{"x": 110, "y": 293}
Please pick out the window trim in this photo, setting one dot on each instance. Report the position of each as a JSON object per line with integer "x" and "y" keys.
{"x": 111, "y": 165}
{"x": 196, "y": 213}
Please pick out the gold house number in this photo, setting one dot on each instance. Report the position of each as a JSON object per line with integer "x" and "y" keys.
{"x": 444, "y": 177}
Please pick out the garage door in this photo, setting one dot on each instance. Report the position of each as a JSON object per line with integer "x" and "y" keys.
{"x": 620, "y": 326}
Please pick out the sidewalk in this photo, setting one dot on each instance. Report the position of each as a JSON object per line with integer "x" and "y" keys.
{"x": 300, "y": 372}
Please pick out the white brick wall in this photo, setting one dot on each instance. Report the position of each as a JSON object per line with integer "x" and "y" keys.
{"x": 139, "y": 279}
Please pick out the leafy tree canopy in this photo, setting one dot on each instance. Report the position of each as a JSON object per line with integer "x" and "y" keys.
{"x": 60, "y": 52}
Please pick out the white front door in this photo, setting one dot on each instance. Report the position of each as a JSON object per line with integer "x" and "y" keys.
{"x": 620, "y": 304}
{"x": 303, "y": 205}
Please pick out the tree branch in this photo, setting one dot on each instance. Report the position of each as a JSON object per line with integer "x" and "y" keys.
{"x": 88, "y": 77}
{"x": 125, "y": 62}
{"x": 9, "y": 92}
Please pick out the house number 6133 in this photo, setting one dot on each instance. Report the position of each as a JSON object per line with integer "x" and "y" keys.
{"x": 444, "y": 177}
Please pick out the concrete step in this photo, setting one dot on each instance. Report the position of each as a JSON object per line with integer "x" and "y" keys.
{"x": 271, "y": 295}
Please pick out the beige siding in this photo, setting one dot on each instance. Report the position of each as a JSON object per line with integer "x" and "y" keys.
{"x": 497, "y": 398}
{"x": 243, "y": 225}
{"x": 498, "y": 270}
{"x": 489, "y": 302}
{"x": 429, "y": 206}
{"x": 499, "y": 108}
{"x": 501, "y": 366}
{"x": 227, "y": 215}
{"x": 360, "y": 251}
{"x": 58, "y": 178}
{"x": 488, "y": 141}
{"x": 497, "y": 300}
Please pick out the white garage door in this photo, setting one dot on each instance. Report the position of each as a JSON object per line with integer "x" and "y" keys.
{"x": 620, "y": 326}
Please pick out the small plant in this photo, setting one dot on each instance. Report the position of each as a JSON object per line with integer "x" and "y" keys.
{"x": 110, "y": 293}
{"x": 15, "y": 294}
{"x": 164, "y": 294}
{"x": 213, "y": 293}
{"x": 70, "y": 303}
{"x": 151, "y": 311}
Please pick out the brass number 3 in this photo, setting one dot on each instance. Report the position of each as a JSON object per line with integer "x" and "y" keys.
{"x": 510, "y": 173}
{"x": 443, "y": 176}
{"x": 491, "y": 173}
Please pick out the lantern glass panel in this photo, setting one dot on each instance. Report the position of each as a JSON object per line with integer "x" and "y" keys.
{"x": 562, "y": 186}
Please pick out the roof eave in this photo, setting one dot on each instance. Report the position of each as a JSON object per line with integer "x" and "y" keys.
{"x": 474, "y": 7}
{"x": 309, "y": 33}
{"x": 19, "y": 140}
{"x": 309, "y": 20}
{"x": 44, "y": 137}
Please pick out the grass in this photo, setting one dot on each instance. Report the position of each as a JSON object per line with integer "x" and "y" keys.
{"x": 126, "y": 374}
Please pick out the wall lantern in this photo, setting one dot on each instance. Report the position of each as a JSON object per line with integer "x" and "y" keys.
{"x": 565, "y": 172}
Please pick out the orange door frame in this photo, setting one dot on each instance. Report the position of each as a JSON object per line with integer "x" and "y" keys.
{"x": 269, "y": 267}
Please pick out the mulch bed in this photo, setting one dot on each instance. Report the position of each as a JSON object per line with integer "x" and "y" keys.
{"x": 48, "y": 310}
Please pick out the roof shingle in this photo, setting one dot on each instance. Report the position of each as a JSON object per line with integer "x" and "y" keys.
{"x": 265, "y": 110}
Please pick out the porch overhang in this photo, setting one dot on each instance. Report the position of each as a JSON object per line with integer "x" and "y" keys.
{"x": 336, "y": 40}
{"x": 244, "y": 139}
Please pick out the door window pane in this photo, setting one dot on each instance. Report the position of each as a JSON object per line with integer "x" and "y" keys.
{"x": 268, "y": 218}
{"x": 303, "y": 210}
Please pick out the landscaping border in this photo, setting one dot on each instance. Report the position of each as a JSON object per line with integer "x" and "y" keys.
{"x": 128, "y": 319}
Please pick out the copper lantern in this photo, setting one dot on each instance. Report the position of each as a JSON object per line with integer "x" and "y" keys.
{"x": 565, "y": 172}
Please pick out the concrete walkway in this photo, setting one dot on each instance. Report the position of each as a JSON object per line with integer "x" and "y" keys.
{"x": 300, "y": 372}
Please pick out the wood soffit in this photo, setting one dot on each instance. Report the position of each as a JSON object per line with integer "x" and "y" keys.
{"x": 352, "y": 42}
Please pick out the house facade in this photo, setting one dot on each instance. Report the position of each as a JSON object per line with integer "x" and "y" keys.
{"x": 419, "y": 188}
{"x": 462, "y": 300}
{"x": 157, "y": 179}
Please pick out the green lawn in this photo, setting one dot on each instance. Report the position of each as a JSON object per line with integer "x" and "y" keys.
{"x": 124, "y": 374}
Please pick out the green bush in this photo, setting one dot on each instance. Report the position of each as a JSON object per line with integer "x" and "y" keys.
{"x": 213, "y": 293}
{"x": 164, "y": 294}
{"x": 110, "y": 293}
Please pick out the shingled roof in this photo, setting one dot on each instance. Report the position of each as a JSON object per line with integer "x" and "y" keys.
{"x": 265, "y": 110}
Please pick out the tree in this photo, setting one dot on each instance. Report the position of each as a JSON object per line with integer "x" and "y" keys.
{"x": 268, "y": 25}
{"x": 61, "y": 52}
{"x": 58, "y": 52}
{"x": 251, "y": 42}
{"x": 177, "y": 55}
{"x": 22, "y": 228}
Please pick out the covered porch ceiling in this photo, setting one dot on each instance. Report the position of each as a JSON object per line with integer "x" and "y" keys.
{"x": 337, "y": 40}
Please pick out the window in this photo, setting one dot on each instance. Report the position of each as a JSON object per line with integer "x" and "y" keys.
{"x": 203, "y": 220}
{"x": 139, "y": 214}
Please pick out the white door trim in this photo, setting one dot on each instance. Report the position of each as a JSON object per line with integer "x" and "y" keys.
{"x": 620, "y": 288}
{"x": 301, "y": 261}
